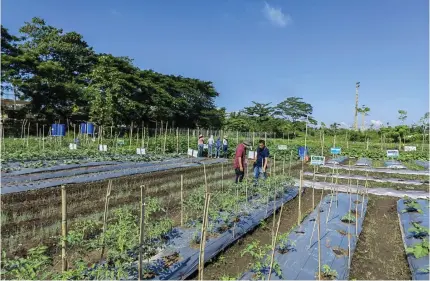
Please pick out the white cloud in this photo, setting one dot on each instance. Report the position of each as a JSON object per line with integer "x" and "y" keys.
{"x": 276, "y": 16}
{"x": 376, "y": 123}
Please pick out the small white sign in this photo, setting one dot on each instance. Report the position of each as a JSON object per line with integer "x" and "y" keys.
{"x": 140, "y": 151}
{"x": 317, "y": 160}
{"x": 393, "y": 153}
{"x": 102, "y": 147}
{"x": 282, "y": 147}
{"x": 190, "y": 152}
{"x": 252, "y": 154}
{"x": 73, "y": 146}
{"x": 410, "y": 148}
{"x": 195, "y": 153}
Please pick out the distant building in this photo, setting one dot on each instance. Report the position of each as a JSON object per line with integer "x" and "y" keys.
{"x": 9, "y": 105}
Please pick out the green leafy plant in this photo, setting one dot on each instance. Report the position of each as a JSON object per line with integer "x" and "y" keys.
{"x": 328, "y": 273}
{"x": 348, "y": 218}
{"x": 419, "y": 250}
{"x": 418, "y": 231}
{"x": 32, "y": 267}
{"x": 284, "y": 243}
{"x": 262, "y": 259}
{"x": 412, "y": 206}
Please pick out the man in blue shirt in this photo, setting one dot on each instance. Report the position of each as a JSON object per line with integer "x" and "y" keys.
{"x": 260, "y": 163}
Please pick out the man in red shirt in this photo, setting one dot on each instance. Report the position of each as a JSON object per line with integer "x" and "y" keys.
{"x": 239, "y": 160}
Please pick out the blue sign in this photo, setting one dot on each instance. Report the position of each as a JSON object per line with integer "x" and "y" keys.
{"x": 303, "y": 151}
{"x": 317, "y": 160}
{"x": 335, "y": 150}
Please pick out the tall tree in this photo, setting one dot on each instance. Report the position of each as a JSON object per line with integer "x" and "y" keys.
{"x": 403, "y": 115}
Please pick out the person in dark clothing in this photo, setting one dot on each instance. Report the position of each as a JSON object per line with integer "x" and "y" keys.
{"x": 239, "y": 160}
{"x": 218, "y": 147}
{"x": 260, "y": 163}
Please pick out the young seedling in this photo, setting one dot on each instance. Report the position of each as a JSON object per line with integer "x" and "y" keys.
{"x": 419, "y": 250}
{"x": 412, "y": 206}
{"x": 328, "y": 273}
{"x": 418, "y": 231}
{"x": 348, "y": 218}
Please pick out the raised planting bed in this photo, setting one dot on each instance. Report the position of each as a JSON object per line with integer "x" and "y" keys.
{"x": 339, "y": 235}
{"x": 226, "y": 229}
{"x": 424, "y": 164}
{"x": 394, "y": 164}
{"x": 414, "y": 223}
{"x": 338, "y": 160}
{"x": 20, "y": 183}
{"x": 364, "y": 162}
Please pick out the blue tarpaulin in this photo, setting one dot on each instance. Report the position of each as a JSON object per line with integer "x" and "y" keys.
{"x": 418, "y": 266}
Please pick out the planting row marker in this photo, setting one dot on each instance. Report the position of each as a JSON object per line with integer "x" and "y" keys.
{"x": 300, "y": 198}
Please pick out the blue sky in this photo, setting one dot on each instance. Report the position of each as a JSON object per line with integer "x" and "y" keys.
{"x": 265, "y": 51}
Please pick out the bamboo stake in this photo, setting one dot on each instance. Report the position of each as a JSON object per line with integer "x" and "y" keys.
{"x": 222, "y": 176}
{"x": 182, "y": 200}
{"x": 289, "y": 168}
{"x": 155, "y": 140}
{"x": 283, "y": 166}
{"x": 274, "y": 242}
{"x": 177, "y": 140}
{"x": 131, "y": 133}
{"x": 319, "y": 242}
{"x": 300, "y": 198}
{"x": 165, "y": 139}
{"x": 313, "y": 188}
{"x": 203, "y": 237}
{"x": 63, "y": 228}
{"x": 188, "y": 134}
{"x": 105, "y": 216}
{"x": 356, "y": 213}
{"x": 142, "y": 229}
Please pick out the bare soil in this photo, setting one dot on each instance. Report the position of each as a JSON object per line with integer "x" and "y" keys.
{"x": 380, "y": 254}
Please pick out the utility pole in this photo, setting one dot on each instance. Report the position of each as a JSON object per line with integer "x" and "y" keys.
{"x": 357, "y": 85}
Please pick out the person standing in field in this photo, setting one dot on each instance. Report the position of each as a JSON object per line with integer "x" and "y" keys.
{"x": 210, "y": 146}
{"x": 200, "y": 143}
{"x": 225, "y": 147}
{"x": 260, "y": 164}
{"x": 218, "y": 147}
{"x": 239, "y": 160}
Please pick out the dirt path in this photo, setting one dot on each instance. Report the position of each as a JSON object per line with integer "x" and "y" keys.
{"x": 380, "y": 254}
{"x": 232, "y": 264}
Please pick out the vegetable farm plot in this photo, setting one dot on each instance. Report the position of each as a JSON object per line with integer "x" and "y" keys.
{"x": 325, "y": 242}
{"x": 71, "y": 174}
{"x": 414, "y": 223}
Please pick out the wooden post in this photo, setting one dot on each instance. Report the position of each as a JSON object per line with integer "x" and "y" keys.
{"x": 63, "y": 228}
{"x": 142, "y": 230}
{"x": 131, "y": 133}
{"x": 182, "y": 200}
{"x": 105, "y": 215}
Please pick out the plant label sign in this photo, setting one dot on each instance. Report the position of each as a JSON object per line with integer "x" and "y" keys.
{"x": 335, "y": 150}
{"x": 140, "y": 151}
{"x": 410, "y": 148}
{"x": 102, "y": 147}
{"x": 73, "y": 146}
{"x": 282, "y": 147}
{"x": 393, "y": 153}
{"x": 190, "y": 152}
{"x": 252, "y": 154}
{"x": 317, "y": 160}
{"x": 195, "y": 153}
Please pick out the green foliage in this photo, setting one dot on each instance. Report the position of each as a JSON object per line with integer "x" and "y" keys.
{"x": 32, "y": 267}
{"x": 261, "y": 258}
{"x": 349, "y": 218}
{"x": 329, "y": 273}
{"x": 418, "y": 231}
{"x": 419, "y": 250}
{"x": 412, "y": 206}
